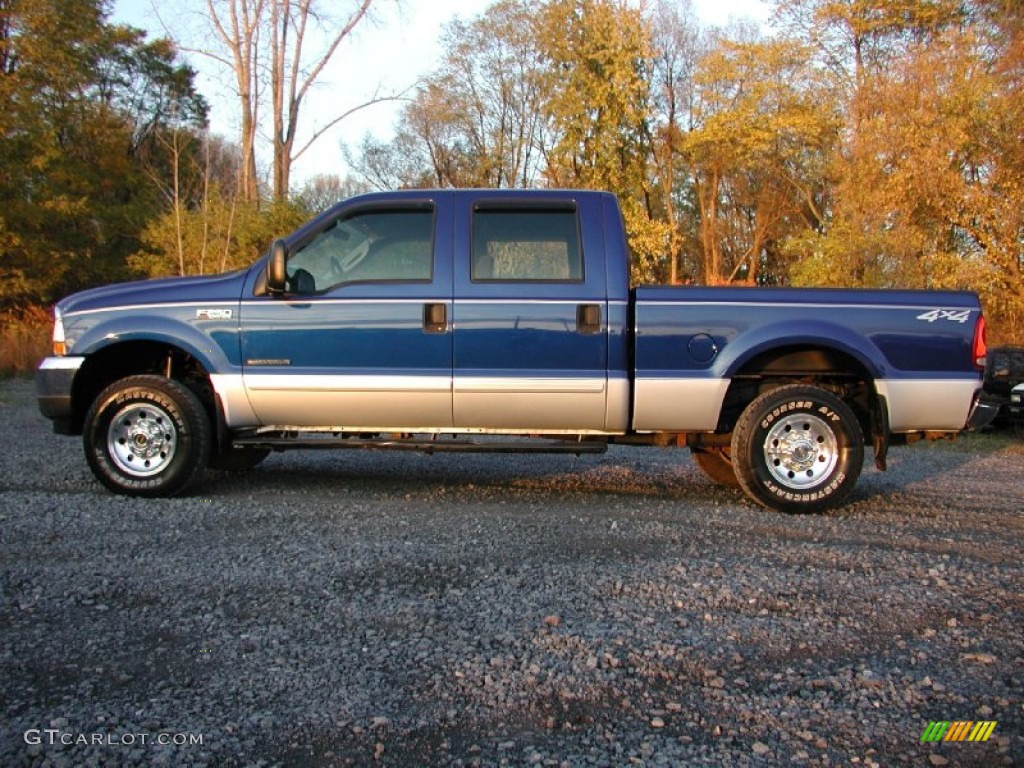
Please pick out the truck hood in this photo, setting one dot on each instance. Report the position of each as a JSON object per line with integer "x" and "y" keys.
{"x": 168, "y": 290}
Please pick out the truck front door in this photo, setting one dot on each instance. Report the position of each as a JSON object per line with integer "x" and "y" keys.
{"x": 362, "y": 339}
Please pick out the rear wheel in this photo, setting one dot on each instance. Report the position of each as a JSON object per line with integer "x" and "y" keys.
{"x": 147, "y": 436}
{"x": 717, "y": 465}
{"x": 798, "y": 448}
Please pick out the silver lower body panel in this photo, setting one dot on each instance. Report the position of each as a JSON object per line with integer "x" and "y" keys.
{"x": 678, "y": 405}
{"x": 940, "y": 405}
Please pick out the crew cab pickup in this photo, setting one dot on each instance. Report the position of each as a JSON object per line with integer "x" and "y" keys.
{"x": 470, "y": 320}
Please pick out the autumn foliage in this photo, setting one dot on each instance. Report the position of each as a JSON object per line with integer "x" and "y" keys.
{"x": 854, "y": 143}
{"x": 848, "y": 143}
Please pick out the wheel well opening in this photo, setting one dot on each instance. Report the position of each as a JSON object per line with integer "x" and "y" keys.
{"x": 833, "y": 370}
{"x": 137, "y": 357}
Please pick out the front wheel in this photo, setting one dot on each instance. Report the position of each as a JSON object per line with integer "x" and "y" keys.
{"x": 147, "y": 436}
{"x": 798, "y": 448}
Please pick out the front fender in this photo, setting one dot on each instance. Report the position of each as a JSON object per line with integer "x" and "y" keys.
{"x": 214, "y": 344}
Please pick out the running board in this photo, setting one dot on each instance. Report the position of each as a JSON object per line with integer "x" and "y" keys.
{"x": 531, "y": 445}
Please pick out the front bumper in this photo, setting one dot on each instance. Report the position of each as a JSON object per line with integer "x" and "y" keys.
{"x": 54, "y": 379}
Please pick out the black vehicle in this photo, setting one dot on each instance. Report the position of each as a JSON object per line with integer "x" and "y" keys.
{"x": 1015, "y": 410}
{"x": 1004, "y": 375}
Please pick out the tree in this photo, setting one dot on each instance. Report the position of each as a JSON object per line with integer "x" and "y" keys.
{"x": 324, "y": 190}
{"x": 80, "y": 100}
{"x": 597, "y": 56}
{"x": 266, "y": 46}
{"x": 491, "y": 74}
{"x": 762, "y": 130}
{"x": 926, "y": 187}
{"x": 293, "y": 73}
{"x": 401, "y": 162}
{"x": 223, "y": 234}
{"x": 476, "y": 121}
{"x": 678, "y": 46}
{"x": 998, "y": 229}
{"x": 856, "y": 39}
{"x": 238, "y": 25}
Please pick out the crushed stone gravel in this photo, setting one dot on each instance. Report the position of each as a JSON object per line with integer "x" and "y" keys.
{"x": 359, "y": 608}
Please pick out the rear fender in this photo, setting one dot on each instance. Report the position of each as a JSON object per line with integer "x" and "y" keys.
{"x": 792, "y": 334}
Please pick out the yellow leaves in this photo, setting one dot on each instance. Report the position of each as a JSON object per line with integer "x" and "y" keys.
{"x": 648, "y": 243}
{"x": 925, "y": 190}
{"x": 598, "y": 54}
{"x": 219, "y": 236}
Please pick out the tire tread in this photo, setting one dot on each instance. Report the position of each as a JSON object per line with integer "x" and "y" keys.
{"x": 749, "y": 422}
{"x": 195, "y": 430}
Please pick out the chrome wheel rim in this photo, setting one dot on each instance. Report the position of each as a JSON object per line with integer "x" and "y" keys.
{"x": 142, "y": 440}
{"x": 801, "y": 451}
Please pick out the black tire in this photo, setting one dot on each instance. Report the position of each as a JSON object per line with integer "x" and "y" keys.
{"x": 798, "y": 448}
{"x": 237, "y": 459}
{"x": 147, "y": 436}
{"x": 717, "y": 465}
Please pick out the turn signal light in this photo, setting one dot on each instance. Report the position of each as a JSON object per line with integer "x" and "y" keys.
{"x": 60, "y": 347}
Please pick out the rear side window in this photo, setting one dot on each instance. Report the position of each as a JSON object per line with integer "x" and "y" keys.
{"x": 524, "y": 245}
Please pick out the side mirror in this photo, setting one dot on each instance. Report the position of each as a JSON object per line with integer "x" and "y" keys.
{"x": 277, "y": 274}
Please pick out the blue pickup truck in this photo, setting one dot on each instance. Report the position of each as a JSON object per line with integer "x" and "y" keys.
{"x": 471, "y": 320}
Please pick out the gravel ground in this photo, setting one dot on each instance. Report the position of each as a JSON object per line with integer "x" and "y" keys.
{"x": 358, "y": 608}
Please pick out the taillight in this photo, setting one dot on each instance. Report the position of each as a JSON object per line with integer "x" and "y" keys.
{"x": 980, "y": 349}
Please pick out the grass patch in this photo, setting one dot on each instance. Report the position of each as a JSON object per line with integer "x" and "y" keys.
{"x": 24, "y": 340}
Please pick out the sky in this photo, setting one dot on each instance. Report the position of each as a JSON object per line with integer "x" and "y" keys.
{"x": 399, "y": 47}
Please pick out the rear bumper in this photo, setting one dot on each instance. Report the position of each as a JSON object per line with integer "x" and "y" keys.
{"x": 54, "y": 379}
{"x": 983, "y": 411}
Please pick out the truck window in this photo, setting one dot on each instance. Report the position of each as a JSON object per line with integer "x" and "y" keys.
{"x": 368, "y": 246}
{"x": 522, "y": 245}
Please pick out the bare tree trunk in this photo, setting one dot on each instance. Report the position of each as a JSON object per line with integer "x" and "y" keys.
{"x": 707, "y": 195}
{"x": 248, "y": 183}
{"x": 176, "y": 161}
{"x": 205, "y": 207}
{"x": 280, "y": 25}
{"x": 227, "y": 235}
{"x": 240, "y": 34}
{"x": 292, "y": 77}
{"x": 242, "y": 27}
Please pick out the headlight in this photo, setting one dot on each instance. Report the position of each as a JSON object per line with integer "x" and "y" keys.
{"x": 1015, "y": 398}
{"x": 60, "y": 347}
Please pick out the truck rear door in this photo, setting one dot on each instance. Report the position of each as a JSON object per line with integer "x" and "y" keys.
{"x": 531, "y": 343}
